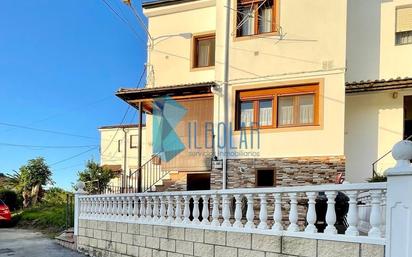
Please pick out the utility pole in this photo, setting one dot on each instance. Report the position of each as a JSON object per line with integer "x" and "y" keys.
{"x": 124, "y": 182}
{"x": 226, "y": 91}
{"x": 139, "y": 157}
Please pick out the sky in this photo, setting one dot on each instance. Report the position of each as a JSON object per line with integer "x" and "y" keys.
{"x": 61, "y": 63}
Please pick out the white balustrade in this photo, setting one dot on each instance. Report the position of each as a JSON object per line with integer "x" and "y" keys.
{"x": 331, "y": 213}
{"x": 155, "y": 209}
{"x": 226, "y": 211}
{"x": 263, "y": 216}
{"x": 352, "y": 219}
{"x": 238, "y": 212}
{"x": 277, "y": 214}
{"x": 250, "y": 213}
{"x": 178, "y": 210}
{"x": 169, "y": 209}
{"x": 227, "y": 208}
{"x": 195, "y": 220}
{"x": 293, "y": 213}
{"x": 205, "y": 210}
{"x": 186, "y": 211}
{"x": 311, "y": 214}
{"x": 215, "y": 211}
{"x": 148, "y": 209}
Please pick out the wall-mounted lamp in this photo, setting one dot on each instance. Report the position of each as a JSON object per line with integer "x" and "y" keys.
{"x": 395, "y": 95}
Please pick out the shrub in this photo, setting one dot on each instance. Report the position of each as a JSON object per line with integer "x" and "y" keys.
{"x": 10, "y": 198}
{"x": 378, "y": 178}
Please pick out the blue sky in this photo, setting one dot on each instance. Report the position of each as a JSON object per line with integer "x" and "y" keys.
{"x": 60, "y": 65}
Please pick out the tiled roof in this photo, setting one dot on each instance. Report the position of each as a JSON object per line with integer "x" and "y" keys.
{"x": 121, "y": 126}
{"x": 153, "y": 92}
{"x": 378, "y": 85}
{"x": 160, "y": 3}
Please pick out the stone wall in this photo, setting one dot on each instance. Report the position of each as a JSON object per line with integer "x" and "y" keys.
{"x": 115, "y": 239}
{"x": 295, "y": 171}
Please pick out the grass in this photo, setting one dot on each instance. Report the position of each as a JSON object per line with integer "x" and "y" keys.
{"x": 50, "y": 220}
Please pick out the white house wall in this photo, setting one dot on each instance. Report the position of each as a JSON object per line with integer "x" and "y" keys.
{"x": 374, "y": 122}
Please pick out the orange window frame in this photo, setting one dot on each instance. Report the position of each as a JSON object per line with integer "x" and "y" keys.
{"x": 255, "y": 4}
{"x": 274, "y": 93}
{"x": 196, "y": 40}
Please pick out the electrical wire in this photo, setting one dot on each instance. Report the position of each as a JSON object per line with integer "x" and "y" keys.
{"x": 74, "y": 156}
{"x": 125, "y": 21}
{"x": 47, "y": 146}
{"x": 44, "y": 130}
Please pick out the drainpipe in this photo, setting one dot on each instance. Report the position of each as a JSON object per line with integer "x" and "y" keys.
{"x": 125, "y": 161}
{"x": 226, "y": 91}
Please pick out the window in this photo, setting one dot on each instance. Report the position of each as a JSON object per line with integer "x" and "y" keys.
{"x": 256, "y": 17}
{"x": 404, "y": 25}
{"x": 133, "y": 141}
{"x": 204, "y": 51}
{"x": 296, "y": 110}
{"x": 265, "y": 178}
{"x": 119, "y": 145}
{"x": 278, "y": 107}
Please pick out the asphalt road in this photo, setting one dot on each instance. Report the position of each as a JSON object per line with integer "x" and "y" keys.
{"x": 26, "y": 243}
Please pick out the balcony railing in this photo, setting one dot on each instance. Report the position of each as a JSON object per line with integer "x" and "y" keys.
{"x": 263, "y": 210}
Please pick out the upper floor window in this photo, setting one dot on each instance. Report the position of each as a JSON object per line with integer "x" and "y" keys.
{"x": 133, "y": 141}
{"x": 278, "y": 107}
{"x": 204, "y": 51}
{"x": 404, "y": 25}
{"x": 119, "y": 145}
{"x": 256, "y": 17}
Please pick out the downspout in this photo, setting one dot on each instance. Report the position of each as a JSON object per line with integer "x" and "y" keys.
{"x": 226, "y": 92}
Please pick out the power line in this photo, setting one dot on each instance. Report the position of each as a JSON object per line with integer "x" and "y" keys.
{"x": 125, "y": 114}
{"x": 44, "y": 130}
{"x": 74, "y": 156}
{"x": 124, "y": 20}
{"x": 47, "y": 146}
{"x": 140, "y": 20}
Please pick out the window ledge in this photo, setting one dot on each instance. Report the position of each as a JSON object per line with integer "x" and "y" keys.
{"x": 283, "y": 129}
{"x": 256, "y": 36}
{"x": 202, "y": 68}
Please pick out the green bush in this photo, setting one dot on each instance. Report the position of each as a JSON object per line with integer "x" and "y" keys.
{"x": 378, "y": 178}
{"x": 10, "y": 198}
{"x": 49, "y": 219}
{"x": 55, "y": 196}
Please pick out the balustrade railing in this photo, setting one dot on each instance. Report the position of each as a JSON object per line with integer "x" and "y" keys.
{"x": 284, "y": 210}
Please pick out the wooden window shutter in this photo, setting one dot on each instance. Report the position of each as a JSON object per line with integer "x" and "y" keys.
{"x": 404, "y": 19}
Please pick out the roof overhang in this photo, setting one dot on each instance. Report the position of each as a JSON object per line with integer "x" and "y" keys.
{"x": 162, "y": 3}
{"x": 378, "y": 85}
{"x": 134, "y": 96}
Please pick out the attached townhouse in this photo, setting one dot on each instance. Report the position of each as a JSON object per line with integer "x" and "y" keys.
{"x": 119, "y": 152}
{"x": 297, "y": 92}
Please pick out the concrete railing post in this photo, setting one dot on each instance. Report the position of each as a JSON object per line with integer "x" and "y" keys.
{"x": 80, "y": 191}
{"x": 399, "y": 202}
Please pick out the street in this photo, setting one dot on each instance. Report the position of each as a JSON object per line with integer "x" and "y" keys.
{"x": 23, "y": 243}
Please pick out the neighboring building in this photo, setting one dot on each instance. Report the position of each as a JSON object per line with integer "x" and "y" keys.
{"x": 379, "y": 107}
{"x": 286, "y": 78}
{"x": 119, "y": 150}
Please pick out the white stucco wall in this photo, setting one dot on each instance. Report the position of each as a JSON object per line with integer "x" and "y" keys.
{"x": 313, "y": 48}
{"x": 363, "y": 40}
{"x": 373, "y": 124}
{"x": 395, "y": 60}
{"x": 170, "y": 56}
{"x": 109, "y": 154}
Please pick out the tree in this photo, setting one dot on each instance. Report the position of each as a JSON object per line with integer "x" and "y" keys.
{"x": 32, "y": 177}
{"x": 95, "y": 177}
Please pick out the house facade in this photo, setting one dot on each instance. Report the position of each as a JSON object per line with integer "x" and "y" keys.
{"x": 270, "y": 78}
{"x": 119, "y": 150}
{"x": 378, "y": 100}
